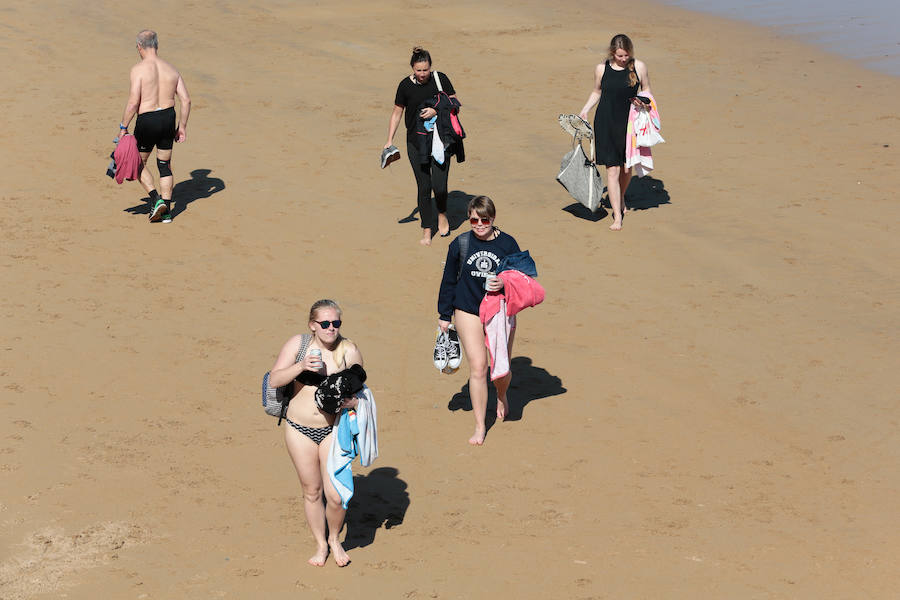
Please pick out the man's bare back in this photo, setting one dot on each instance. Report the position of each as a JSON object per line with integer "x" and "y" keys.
{"x": 158, "y": 81}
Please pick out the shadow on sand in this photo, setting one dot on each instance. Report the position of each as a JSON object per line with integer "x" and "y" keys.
{"x": 379, "y": 499}
{"x": 457, "y": 201}
{"x": 528, "y": 383}
{"x": 643, "y": 193}
{"x": 200, "y": 185}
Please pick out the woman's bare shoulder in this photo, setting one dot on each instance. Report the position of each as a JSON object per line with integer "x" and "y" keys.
{"x": 288, "y": 352}
{"x": 294, "y": 340}
{"x": 353, "y": 355}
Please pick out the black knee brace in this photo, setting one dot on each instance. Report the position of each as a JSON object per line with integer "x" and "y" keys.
{"x": 163, "y": 166}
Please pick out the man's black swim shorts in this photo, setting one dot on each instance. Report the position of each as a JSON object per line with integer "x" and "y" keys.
{"x": 155, "y": 128}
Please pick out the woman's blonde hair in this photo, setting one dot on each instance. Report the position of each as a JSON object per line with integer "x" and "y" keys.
{"x": 340, "y": 351}
{"x": 623, "y": 42}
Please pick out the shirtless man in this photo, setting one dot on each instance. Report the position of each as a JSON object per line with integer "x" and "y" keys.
{"x": 154, "y": 85}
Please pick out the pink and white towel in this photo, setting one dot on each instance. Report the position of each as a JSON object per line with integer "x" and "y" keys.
{"x": 642, "y": 132}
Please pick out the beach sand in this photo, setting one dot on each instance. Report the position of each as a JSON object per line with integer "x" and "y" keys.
{"x": 705, "y": 406}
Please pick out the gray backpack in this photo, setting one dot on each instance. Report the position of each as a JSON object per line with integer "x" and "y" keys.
{"x": 275, "y": 400}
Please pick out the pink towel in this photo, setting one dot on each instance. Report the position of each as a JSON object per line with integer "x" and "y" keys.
{"x": 497, "y": 312}
{"x": 128, "y": 160}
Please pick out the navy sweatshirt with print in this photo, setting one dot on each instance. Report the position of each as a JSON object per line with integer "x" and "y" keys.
{"x": 482, "y": 260}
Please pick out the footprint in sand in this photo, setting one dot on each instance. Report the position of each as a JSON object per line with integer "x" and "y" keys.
{"x": 45, "y": 561}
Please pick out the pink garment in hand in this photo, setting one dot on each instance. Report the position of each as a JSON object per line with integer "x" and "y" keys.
{"x": 497, "y": 313}
{"x": 128, "y": 159}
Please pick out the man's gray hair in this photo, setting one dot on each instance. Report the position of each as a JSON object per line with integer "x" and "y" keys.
{"x": 147, "y": 39}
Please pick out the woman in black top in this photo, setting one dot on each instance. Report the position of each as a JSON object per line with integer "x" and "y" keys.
{"x": 412, "y": 92}
{"x": 616, "y": 83}
{"x": 466, "y": 278}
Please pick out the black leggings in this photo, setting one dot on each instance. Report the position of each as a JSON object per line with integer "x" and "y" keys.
{"x": 429, "y": 176}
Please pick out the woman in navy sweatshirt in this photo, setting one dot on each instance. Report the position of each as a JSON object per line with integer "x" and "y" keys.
{"x": 470, "y": 271}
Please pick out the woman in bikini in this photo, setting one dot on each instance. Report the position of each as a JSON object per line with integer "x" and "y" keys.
{"x": 308, "y": 434}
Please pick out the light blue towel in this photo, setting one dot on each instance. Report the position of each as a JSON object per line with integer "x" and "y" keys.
{"x": 349, "y": 441}
{"x": 343, "y": 450}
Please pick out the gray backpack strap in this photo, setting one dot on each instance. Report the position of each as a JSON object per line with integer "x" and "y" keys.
{"x": 275, "y": 400}
{"x": 437, "y": 80}
{"x": 463, "y": 252}
{"x": 305, "y": 341}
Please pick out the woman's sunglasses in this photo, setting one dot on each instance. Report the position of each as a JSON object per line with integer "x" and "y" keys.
{"x": 482, "y": 220}
{"x": 327, "y": 324}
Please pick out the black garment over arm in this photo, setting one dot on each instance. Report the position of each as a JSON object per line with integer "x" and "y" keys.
{"x": 410, "y": 95}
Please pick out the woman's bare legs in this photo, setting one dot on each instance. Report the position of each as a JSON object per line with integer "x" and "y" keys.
{"x": 471, "y": 335}
{"x": 616, "y": 195}
{"x": 334, "y": 510}
{"x": 502, "y": 384}
{"x": 306, "y": 457}
{"x": 624, "y": 180}
{"x": 443, "y": 224}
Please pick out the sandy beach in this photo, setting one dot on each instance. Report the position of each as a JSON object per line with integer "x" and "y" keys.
{"x": 705, "y": 406}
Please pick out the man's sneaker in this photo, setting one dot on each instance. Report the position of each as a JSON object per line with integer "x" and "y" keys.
{"x": 441, "y": 354}
{"x": 454, "y": 351}
{"x": 167, "y": 216}
{"x": 159, "y": 209}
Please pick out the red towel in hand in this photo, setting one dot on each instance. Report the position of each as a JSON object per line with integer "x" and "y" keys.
{"x": 128, "y": 160}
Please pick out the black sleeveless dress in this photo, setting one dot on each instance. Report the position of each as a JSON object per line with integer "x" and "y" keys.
{"x": 611, "y": 118}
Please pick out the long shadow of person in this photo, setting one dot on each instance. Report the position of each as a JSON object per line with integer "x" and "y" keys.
{"x": 200, "y": 185}
{"x": 379, "y": 498}
{"x": 646, "y": 192}
{"x": 576, "y": 209}
{"x": 411, "y": 218}
{"x": 457, "y": 202}
{"x": 643, "y": 193}
{"x": 528, "y": 383}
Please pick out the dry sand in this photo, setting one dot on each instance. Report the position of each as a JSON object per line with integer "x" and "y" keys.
{"x": 704, "y": 407}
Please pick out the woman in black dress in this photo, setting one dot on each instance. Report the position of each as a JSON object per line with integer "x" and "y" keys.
{"x": 616, "y": 83}
{"x": 412, "y": 91}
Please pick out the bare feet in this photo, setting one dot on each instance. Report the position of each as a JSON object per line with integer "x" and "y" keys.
{"x": 340, "y": 555}
{"x": 617, "y": 224}
{"x": 318, "y": 559}
{"x": 443, "y": 225}
{"x": 502, "y": 409}
{"x": 426, "y": 237}
{"x": 477, "y": 438}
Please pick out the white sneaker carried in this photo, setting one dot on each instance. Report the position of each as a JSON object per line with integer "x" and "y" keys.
{"x": 454, "y": 350}
{"x": 441, "y": 350}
